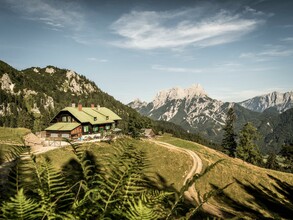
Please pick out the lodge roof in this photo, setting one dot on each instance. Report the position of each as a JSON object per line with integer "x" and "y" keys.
{"x": 63, "y": 126}
{"x": 94, "y": 116}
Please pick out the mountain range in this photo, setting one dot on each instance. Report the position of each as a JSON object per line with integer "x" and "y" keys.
{"x": 196, "y": 112}
{"x": 280, "y": 102}
{"x": 31, "y": 97}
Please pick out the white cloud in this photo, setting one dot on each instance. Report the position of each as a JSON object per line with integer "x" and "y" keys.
{"x": 57, "y": 16}
{"x": 93, "y": 59}
{"x": 287, "y": 39}
{"x": 230, "y": 64}
{"x": 267, "y": 54}
{"x": 287, "y": 26}
{"x": 229, "y": 95}
{"x": 172, "y": 29}
{"x": 176, "y": 69}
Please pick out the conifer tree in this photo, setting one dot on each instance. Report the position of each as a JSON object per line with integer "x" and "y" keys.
{"x": 229, "y": 141}
{"x": 247, "y": 149}
{"x": 134, "y": 126}
{"x": 287, "y": 154}
{"x": 272, "y": 162}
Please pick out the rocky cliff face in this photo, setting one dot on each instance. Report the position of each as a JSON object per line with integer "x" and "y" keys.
{"x": 191, "y": 108}
{"x": 275, "y": 100}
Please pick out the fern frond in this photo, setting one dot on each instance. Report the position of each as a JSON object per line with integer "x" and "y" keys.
{"x": 205, "y": 199}
{"x": 186, "y": 186}
{"x": 15, "y": 152}
{"x": 18, "y": 175}
{"x": 87, "y": 165}
{"x": 20, "y": 207}
{"x": 55, "y": 195}
{"x": 140, "y": 210}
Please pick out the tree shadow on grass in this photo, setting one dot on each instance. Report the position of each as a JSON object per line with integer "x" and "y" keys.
{"x": 158, "y": 182}
{"x": 279, "y": 206}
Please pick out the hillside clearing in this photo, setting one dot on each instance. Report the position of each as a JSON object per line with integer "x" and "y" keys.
{"x": 251, "y": 184}
{"x": 255, "y": 193}
{"x": 12, "y": 136}
{"x": 170, "y": 166}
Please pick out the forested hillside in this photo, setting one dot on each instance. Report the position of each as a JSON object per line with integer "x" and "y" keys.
{"x": 31, "y": 97}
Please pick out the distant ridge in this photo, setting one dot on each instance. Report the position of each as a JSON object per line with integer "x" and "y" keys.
{"x": 196, "y": 112}
{"x": 275, "y": 100}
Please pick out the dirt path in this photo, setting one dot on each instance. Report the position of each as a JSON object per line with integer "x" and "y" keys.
{"x": 192, "y": 194}
{"x": 38, "y": 145}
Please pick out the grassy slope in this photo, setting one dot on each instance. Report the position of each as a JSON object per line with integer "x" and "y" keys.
{"x": 242, "y": 174}
{"x": 172, "y": 166}
{"x": 11, "y": 136}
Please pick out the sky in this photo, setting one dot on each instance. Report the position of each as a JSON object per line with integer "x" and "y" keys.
{"x": 132, "y": 49}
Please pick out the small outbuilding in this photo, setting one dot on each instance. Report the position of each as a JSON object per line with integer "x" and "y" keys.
{"x": 149, "y": 133}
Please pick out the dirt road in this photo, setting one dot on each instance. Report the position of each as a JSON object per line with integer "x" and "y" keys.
{"x": 192, "y": 194}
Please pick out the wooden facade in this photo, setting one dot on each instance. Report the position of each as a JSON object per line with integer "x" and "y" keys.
{"x": 58, "y": 135}
{"x": 91, "y": 121}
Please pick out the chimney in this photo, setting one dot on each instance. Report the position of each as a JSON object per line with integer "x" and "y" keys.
{"x": 92, "y": 105}
{"x": 98, "y": 107}
{"x": 73, "y": 105}
{"x": 79, "y": 107}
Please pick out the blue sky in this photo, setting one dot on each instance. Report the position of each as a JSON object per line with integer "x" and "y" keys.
{"x": 132, "y": 49}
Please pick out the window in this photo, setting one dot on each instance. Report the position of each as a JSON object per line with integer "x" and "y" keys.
{"x": 108, "y": 127}
{"x": 86, "y": 129}
{"x": 69, "y": 118}
{"x": 96, "y": 129}
{"x": 64, "y": 119}
{"x": 54, "y": 135}
{"x": 65, "y": 135}
{"x": 95, "y": 118}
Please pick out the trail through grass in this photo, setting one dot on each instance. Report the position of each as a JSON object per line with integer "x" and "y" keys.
{"x": 248, "y": 180}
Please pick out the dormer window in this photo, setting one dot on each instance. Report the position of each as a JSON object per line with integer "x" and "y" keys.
{"x": 107, "y": 117}
{"x": 95, "y": 119}
{"x": 64, "y": 119}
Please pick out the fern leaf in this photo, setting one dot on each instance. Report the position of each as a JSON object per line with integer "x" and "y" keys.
{"x": 139, "y": 210}
{"x": 20, "y": 207}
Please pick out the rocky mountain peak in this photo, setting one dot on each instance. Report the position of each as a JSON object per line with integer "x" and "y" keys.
{"x": 280, "y": 101}
{"x": 137, "y": 103}
{"x": 50, "y": 70}
{"x": 177, "y": 93}
{"x": 6, "y": 83}
{"x": 195, "y": 90}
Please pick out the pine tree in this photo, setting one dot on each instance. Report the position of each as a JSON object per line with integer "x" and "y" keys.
{"x": 134, "y": 125}
{"x": 247, "y": 149}
{"x": 229, "y": 141}
{"x": 287, "y": 154}
{"x": 272, "y": 162}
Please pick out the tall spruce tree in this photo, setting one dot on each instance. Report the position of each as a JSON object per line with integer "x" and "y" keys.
{"x": 272, "y": 162}
{"x": 287, "y": 154}
{"x": 229, "y": 141}
{"x": 247, "y": 149}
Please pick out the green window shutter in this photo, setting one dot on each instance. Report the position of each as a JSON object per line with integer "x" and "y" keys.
{"x": 86, "y": 128}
